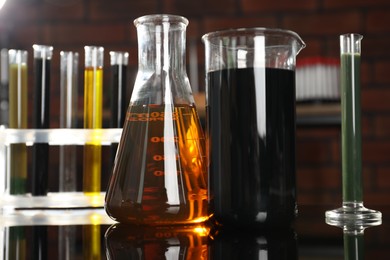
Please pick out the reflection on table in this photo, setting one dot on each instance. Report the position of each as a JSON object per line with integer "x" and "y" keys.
{"x": 90, "y": 234}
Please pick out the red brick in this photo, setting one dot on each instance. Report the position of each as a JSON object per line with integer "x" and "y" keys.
{"x": 194, "y": 30}
{"x": 375, "y": 151}
{"x": 319, "y": 178}
{"x": 325, "y": 197}
{"x": 313, "y": 152}
{"x": 196, "y": 7}
{"x": 313, "y": 47}
{"x": 251, "y": 6}
{"x": 121, "y": 9}
{"x": 368, "y": 177}
{"x": 375, "y": 46}
{"x": 375, "y": 199}
{"x": 336, "y": 151}
{"x": 321, "y": 24}
{"x": 367, "y": 126}
{"x": 316, "y": 133}
{"x": 214, "y": 24}
{"x": 24, "y": 36}
{"x": 28, "y": 11}
{"x": 366, "y": 73}
{"x": 381, "y": 72}
{"x": 383, "y": 178}
{"x": 377, "y": 21}
{"x": 375, "y": 99}
{"x": 354, "y": 3}
{"x": 87, "y": 34}
{"x": 381, "y": 125}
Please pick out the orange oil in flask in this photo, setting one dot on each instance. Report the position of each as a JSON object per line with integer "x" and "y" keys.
{"x": 159, "y": 175}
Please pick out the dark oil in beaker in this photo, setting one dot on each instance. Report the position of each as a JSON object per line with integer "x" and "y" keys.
{"x": 159, "y": 174}
{"x": 251, "y": 127}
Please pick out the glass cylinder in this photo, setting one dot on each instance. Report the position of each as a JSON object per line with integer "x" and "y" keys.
{"x": 250, "y": 121}
{"x": 18, "y": 115}
{"x": 41, "y": 115}
{"x": 352, "y": 213}
{"x": 350, "y": 50}
{"x": 93, "y": 110}
{"x": 159, "y": 174}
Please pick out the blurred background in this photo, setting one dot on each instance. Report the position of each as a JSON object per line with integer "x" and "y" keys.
{"x": 71, "y": 24}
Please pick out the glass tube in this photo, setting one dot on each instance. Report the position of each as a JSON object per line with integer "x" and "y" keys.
{"x": 68, "y": 118}
{"x": 93, "y": 109}
{"x": 119, "y": 103}
{"x": 17, "y": 242}
{"x": 17, "y": 156}
{"x": 352, "y": 211}
{"x": 41, "y": 109}
{"x": 354, "y": 245}
{"x": 92, "y": 242}
{"x": 119, "y": 62}
{"x": 4, "y": 87}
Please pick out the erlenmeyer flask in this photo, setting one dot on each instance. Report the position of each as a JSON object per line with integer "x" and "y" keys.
{"x": 159, "y": 175}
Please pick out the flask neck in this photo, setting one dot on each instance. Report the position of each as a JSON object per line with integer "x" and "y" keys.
{"x": 161, "y": 46}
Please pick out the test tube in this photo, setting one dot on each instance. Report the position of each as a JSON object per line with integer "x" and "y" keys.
{"x": 353, "y": 244}
{"x": 16, "y": 242}
{"x": 17, "y": 155}
{"x": 119, "y": 61}
{"x": 92, "y": 242}
{"x": 4, "y": 87}
{"x": 41, "y": 107}
{"x": 352, "y": 212}
{"x": 69, "y": 62}
{"x": 93, "y": 108}
{"x": 68, "y": 118}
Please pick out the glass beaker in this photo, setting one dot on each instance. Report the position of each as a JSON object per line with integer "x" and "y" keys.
{"x": 250, "y": 107}
{"x": 159, "y": 174}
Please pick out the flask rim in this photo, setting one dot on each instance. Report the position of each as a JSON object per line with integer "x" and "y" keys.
{"x": 255, "y": 31}
{"x": 160, "y": 18}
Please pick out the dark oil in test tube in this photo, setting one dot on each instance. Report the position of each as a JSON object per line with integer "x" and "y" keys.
{"x": 41, "y": 121}
{"x": 252, "y": 146}
{"x": 119, "y": 101}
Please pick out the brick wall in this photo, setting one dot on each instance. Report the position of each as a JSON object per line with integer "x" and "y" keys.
{"x": 71, "y": 24}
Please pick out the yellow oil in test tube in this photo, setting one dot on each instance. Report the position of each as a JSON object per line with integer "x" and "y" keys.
{"x": 17, "y": 119}
{"x": 93, "y": 109}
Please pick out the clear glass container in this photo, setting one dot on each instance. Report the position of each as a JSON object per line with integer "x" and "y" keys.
{"x": 159, "y": 174}
{"x": 352, "y": 213}
{"x": 250, "y": 120}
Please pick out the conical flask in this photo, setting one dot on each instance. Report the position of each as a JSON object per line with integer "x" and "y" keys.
{"x": 159, "y": 175}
